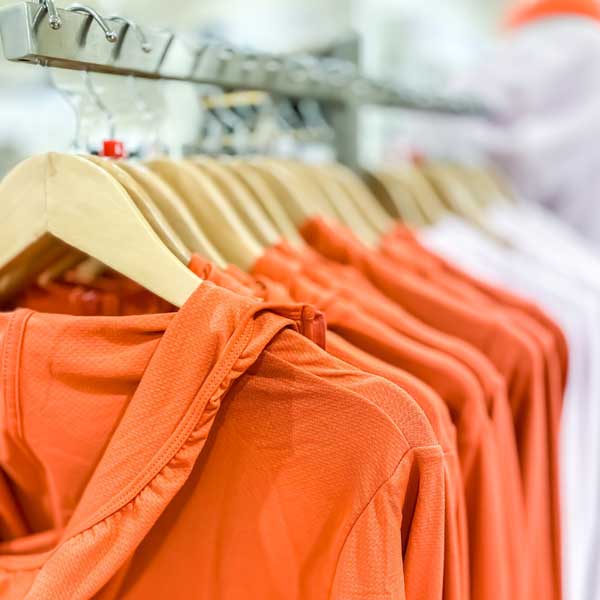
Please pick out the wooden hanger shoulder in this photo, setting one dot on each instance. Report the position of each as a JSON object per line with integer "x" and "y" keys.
{"x": 264, "y": 194}
{"x": 147, "y": 207}
{"x": 402, "y": 198}
{"x": 345, "y": 208}
{"x": 320, "y": 197}
{"x": 79, "y": 203}
{"x": 176, "y": 211}
{"x": 218, "y": 219}
{"x": 426, "y": 196}
{"x": 240, "y": 198}
{"x": 382, "y": 194}
{"x": 364, "y": 200}
{"x": 454, "y": 193}
{"x": 287, "y": 190}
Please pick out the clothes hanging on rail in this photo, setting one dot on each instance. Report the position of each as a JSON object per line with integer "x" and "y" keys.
{"x": 342, "y": 419}
{"x": 100, "y": 484}
{"x": 563, "y": 282}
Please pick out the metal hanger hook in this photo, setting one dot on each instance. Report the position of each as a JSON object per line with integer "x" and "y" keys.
{"x": 53, "y": 17}
{"x": 129, "y": 24}
{"x": 109, "y": 33}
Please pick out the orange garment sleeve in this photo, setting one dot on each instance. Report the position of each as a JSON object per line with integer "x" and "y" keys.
{"x": 489, "y": 564}
{"x": 512, "y": 352}
{"x": 232, "y": 456}
{"x": 456, "y": 560}
{"x": 546, "y": 335}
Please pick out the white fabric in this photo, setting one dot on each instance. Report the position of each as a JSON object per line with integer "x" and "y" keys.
{"x": 542, "y": 83}
{"x": 548, "y": 264}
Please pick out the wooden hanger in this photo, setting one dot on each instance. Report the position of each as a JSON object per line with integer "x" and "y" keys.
{"x": 206, "y": 202}
{"x": 64, "y": 263}
{"x": 453, "y": 192}
{"x": 398, "y": 196}
{"x": 163, "y": 210}
{"x": 294, "y": 176}
{"x": 362, "y": 197}
{"x": 426, "y": 195}
{"x": 381, "y": 193}
{"x": 148, "y": 208}
{"x": 265, "y": 196}
{"x": 240, "y": 198}
{"x": 288, "y": 189}
{"x": 175, "y": 210}
{"x": 493, "y": 188}
{"x": 79, "y": 203}
{"x": 320, "y": 198}
{"x": 468, "y": 177}
{"x": 338, "y": 197}
{"x": 31, "y": 264}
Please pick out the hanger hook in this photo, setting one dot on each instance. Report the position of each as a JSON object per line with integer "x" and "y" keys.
{"x": 53, "y": 17}
{"x": 314, "y": 120}
{"x": 109, "y": 33}
{"x": 129, "y": 24}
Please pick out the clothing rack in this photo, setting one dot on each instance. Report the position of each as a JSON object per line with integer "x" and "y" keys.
{"x": 79, "y": 38}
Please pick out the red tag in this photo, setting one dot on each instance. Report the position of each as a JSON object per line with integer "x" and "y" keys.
{"x": 113, "y": 149}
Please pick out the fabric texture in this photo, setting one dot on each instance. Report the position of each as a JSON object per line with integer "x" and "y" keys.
{"x": 564, "y": 284}
{"x": 210, "y": 451}
{"x": 514, "y": 353}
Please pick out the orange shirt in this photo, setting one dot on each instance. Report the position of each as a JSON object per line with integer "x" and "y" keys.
{"x": 456, "y": 559}
{"x": 489, "y": 564}
{"x": 110, "y": 294}
{"x": 433, "y": 262}
{"x": 353, "y": 286}
{"x": 212, "y": 452}
{"x": 547, "y": 336}
{"x": 513, "y": 353}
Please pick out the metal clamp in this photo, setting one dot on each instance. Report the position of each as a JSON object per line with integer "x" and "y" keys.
{"x": 109, "y": 33}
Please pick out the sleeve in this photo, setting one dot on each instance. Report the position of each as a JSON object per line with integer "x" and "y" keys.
{"x": 395, "y": 550}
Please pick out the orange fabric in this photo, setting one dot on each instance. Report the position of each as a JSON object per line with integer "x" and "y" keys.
{"x": 456, "y": 559}
{"x": 353, "y": 286}
{"x": 479, "y": 455}
{"x": 512, "y": 351}
{"x": 527, "y": 11}
{"x": 212, "y": 452}
{"x": 547, "y": 335}
{"x": 110, "y": 295}
{"x": 431, "y": 263}
{"x": 455, "y": 536}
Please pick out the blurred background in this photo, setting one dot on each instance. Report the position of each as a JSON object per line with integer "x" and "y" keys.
{"x": 422, "y": 41}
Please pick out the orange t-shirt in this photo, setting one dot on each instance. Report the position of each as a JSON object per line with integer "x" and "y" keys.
{"x": 456, "y": 559}
{"x": 480, "y": 459}
{"x": 110, "y": 294}
{"x": 353, "y": 286}
{"x": 212, "y": 452}
{"x": 513, "y": 353}
{"x": 548, "y": 337}
{"x": 428, "y": 259}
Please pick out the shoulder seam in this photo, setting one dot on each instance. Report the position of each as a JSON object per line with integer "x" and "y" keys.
{"x": 370, "y": 501}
